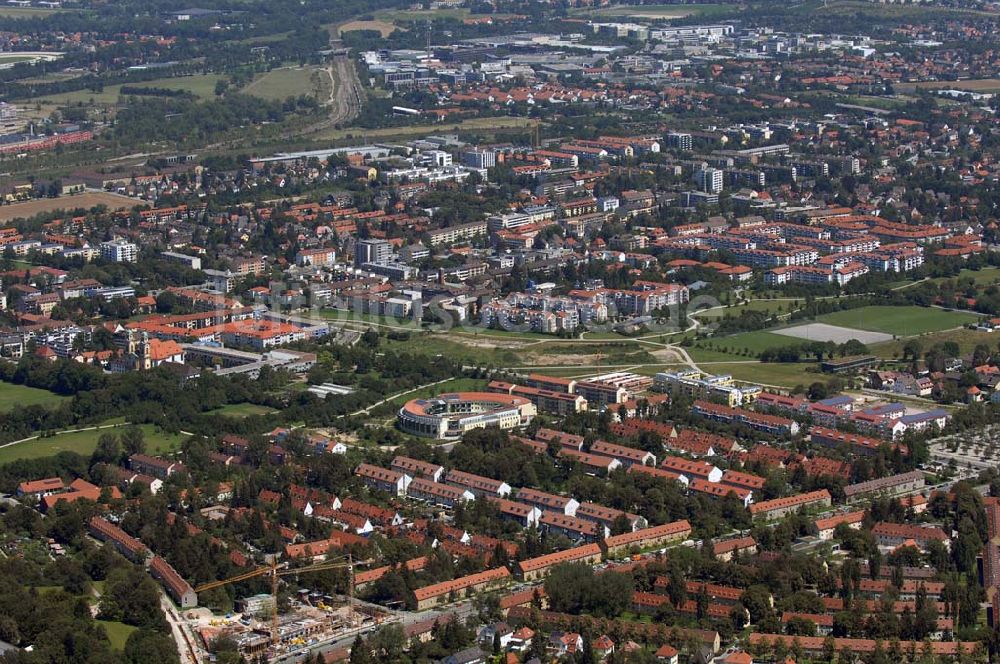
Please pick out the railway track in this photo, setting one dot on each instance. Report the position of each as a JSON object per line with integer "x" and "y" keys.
{"x": 345, "y": 101}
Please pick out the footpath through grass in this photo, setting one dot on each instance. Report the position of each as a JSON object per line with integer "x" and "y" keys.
{"x": 84, "y": 443}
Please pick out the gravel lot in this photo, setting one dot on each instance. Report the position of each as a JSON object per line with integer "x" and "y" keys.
{"x": 834, "y": 333}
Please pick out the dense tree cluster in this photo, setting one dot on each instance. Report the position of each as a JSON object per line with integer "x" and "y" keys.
{"x": 46, "y": 603}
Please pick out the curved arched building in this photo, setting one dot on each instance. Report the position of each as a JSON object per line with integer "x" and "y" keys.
{"x": 448, "y": 416}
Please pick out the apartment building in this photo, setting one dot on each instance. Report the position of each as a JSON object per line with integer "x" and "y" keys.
{"x": 779, "y": 507}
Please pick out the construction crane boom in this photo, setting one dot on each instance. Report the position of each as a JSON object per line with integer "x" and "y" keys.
{"x": 274, "y": 571}
{"x": 235, "y": 579}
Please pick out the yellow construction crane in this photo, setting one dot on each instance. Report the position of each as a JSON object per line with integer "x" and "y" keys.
{"x": 274, "y": 571}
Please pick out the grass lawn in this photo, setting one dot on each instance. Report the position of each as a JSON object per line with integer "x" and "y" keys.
{"x": 422, "y": 15}
{"x": 25, "y": 12}
{"x": 731, "y": 346}
{"x": 900, "y": 321}
{"x": 473, "y": 124}
{"x": 242, "y": 410}
{"x": 117, "y": 632}
{"x": 515, "y": 351}
{"x": 14, "y": 58}
{"x": 987, "y": 275}
{"x": 775, "y": 374}
{"x": 202, "y": 85}
{"x": 771, "y": 373}
{"x": 769, "y": 306}
{"x": 453, "y": 385}
{"x": 902, "y": 12}
{"x": 967, "y": 340}
{"x": 607, "y": 336}
{"x": 485, "y": 333}
{"x": 884, "y": 103}
{"x": 16, "y": 396}
{"x": 384, "y": 28}
{"x": 972, "y": 85}
{"x": 84, "y": 442}
{"x": 360, "y": 319}
{"x": 279, "y": 84}
{"x": 658, "y": 11}
{"x": 436, "y": 344}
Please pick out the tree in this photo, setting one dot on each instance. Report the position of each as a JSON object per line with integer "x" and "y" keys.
{"x": 133, "y": 440}
{"x": 370, "y": 338}
{"x": 388, "y": 643}
{"x": 360, "y": 652}
{"x": 226, "y": 650}
{"x": 757, "y": 600}
{"x": 874, "y": 563}
{"x": 107, "y": 451}
{"x": 912, "y": 349}
{"x": 801, "y": 627}
{"x": 676, "y": 585}
{"x": 132, "y": 597}
{"x": 897, "y": 576}
{"x": 144, "y": 645}
{"x": 574, "y": 588}
{"x": 818, "y": 391}
{"x": 621, "y": 525}
{"x": 701, "y": 603}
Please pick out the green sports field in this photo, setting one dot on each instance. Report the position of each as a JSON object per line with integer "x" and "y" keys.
{"x": 900, "y": 321}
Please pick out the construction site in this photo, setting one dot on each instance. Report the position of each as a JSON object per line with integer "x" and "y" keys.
{"x": 312, "y": 618}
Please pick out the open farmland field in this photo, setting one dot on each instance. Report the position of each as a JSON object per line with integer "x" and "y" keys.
{"x": 84, "y": 201}
{"x": 18, "y": 396}
{"x": 898, "y": 321}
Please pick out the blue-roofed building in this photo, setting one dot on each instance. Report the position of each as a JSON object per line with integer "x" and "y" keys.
{"x": 841, "y": 401}
{"x": 889, "y": 411}
{"x": 937, "y": 418}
